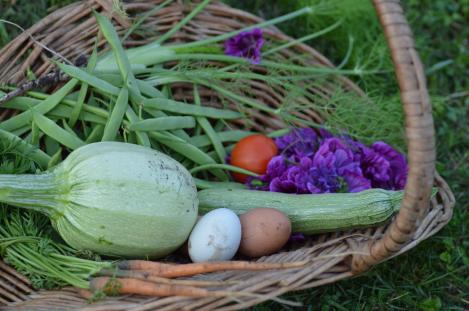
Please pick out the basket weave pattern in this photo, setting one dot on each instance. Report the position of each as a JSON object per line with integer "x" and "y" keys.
{"x": 71, "y": 31}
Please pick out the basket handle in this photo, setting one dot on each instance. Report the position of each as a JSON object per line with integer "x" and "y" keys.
{"x": 420, "y": 136}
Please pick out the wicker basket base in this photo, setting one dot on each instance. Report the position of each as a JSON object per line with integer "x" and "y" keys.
{"x": 71, "y": 32}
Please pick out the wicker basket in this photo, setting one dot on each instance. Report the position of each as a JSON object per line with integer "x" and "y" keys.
{"x": 71, "y": 32}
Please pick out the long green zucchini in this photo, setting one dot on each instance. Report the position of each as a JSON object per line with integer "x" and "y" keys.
{"x": 311, "y": 213}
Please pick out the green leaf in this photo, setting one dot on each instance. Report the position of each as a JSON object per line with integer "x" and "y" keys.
{"x": 445, "y": 257}
{"x": 430, "y": 304}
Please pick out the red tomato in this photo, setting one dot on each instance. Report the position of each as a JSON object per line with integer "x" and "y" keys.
{"x": 253, "y": 153}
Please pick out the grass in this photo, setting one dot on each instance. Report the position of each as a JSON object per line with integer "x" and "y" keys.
{"x": 435, "y": 274}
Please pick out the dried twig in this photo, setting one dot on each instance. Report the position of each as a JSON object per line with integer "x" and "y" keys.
{"x": 49, "y": 79}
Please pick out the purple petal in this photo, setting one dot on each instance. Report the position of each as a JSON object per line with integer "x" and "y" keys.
{"x": 276, "y": 167}
{"x": 398, "y": 166}
{"x": 282, "y": 185}
{"x": 297, "y": 237}
{"x": 325, "y": 133}
{"x": 357, "y": 182}
{"x": 247, "y": 44}
{"x": 298, "y": 143}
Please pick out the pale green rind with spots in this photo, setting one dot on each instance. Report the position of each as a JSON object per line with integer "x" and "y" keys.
{"x": 311, "y": 213}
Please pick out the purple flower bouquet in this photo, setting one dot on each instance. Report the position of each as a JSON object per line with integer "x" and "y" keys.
{"x": 311, "y": 162}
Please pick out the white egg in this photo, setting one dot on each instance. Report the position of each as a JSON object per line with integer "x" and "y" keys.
{"x": 215, "y": 237}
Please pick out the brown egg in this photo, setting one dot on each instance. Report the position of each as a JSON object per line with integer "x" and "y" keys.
{"x": 264, "y": 232}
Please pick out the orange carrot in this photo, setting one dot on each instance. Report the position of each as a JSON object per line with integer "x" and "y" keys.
{"x": 178, "y": 270}
{"x": 84, "y": 293}
{"x": 149, "y": 277}
{"x": 122, "y": 286}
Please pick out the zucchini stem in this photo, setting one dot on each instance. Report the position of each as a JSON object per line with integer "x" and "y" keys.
{"x": 35, "y": 192}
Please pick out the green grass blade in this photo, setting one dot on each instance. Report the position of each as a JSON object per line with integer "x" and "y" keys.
{"x": 4, "y": 37}
{"x": 117, "y": 115}
{"x": 56, "y": 132}
{"x": 163, "y": 124}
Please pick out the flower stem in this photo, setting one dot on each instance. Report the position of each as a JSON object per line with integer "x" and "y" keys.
{"x": 259, "y": 25}
{"x": 265, "y": 63}
{"x": 183, "y": 22}
{"x": 303, "y": 39}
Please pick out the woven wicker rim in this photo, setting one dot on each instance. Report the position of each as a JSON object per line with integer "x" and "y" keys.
{"x": 329, "y": 254}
